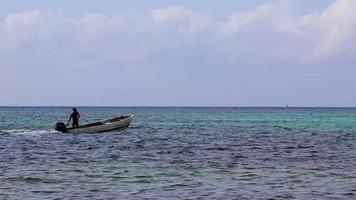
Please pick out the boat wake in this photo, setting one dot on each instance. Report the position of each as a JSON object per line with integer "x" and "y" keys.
{"x": 27, "y": 132}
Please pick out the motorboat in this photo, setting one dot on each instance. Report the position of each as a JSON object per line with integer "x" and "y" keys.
{"x": 114, "y": 124}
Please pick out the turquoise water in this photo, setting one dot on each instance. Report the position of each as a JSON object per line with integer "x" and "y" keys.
{"x": 180, "y": 153}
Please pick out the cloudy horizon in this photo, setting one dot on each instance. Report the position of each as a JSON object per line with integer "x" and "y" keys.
{"x": 178, "y": 53}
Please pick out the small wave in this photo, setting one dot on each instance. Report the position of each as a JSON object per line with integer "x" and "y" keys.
{"x": 27, "y": 132}
{"x": 32, "y": 180}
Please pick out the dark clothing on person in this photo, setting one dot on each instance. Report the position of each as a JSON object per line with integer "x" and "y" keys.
{"x": 75, "y": 119}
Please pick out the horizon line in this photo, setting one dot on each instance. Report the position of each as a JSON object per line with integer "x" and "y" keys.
{"x": 170, "y": 106}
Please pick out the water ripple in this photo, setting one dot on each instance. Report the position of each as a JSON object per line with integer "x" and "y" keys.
{"x": 193, "y": 156}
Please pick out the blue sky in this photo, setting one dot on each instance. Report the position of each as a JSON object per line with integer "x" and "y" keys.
{"x": 178, "y": 53}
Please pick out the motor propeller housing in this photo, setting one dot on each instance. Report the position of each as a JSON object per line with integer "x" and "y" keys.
{"x": 60, "y": 126}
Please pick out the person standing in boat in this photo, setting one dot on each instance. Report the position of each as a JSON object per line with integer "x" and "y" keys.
{"x": 75, "y": 118}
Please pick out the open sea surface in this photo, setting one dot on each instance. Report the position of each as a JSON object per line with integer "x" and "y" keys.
{"x": 180, "y": 153}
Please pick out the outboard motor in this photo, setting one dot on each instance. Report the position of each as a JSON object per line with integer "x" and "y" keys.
{"x": 61, "y": 127}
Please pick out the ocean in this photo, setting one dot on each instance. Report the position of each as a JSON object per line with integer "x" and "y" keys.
{"x": 180, "y": 153}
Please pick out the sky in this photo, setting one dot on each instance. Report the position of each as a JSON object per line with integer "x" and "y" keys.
{"x": 178, "y": 53}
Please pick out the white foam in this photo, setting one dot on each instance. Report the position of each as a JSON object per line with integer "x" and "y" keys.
{"x": 27, "y": 132}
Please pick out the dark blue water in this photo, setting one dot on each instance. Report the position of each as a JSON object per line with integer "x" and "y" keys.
{"x": 181, "y": 153}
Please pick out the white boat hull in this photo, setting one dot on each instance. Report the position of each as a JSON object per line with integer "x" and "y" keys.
{"x": 115, "y": 124}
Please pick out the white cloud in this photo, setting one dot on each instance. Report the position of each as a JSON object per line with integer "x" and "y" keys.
{"x": 94, "y": 25}
{"x": 276, "y": 15}
{"x": 189, "y": 21}
{"x": 312, "y": 37}
{"x": 318, "y": 35}
{"x": 333, "y": 28}
{"x": 36, "y": 27}
{"x": 21, "y": 28}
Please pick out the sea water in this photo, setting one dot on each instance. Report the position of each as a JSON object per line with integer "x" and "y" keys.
{"x": 180, "y": 153}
